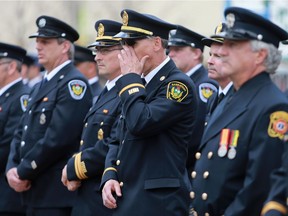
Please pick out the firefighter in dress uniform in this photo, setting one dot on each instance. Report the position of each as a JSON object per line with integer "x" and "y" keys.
{"x": 50, "y": 130}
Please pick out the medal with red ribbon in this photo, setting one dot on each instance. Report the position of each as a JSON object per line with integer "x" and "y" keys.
{"x": 224, "y": 141}
{"x": 233, "y": 144}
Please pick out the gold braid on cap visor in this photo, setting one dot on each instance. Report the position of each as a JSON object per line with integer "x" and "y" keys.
{"x": 131, "y": 28}
{"x": 107, "y": 38}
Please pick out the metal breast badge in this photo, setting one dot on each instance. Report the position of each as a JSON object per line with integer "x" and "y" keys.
{"x": 42, "y": 119}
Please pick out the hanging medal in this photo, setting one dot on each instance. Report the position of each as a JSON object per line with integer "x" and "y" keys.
{"x": 233, "y": 144}
{"x": 224, "y": 141}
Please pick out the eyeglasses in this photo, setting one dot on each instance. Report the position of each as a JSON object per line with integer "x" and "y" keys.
{"x": 132, "y": 42}
{"x": 104, "y": 51}
{"x": 7, "y": 62}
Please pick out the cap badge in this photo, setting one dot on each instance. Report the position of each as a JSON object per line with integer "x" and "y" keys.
{"x": 230, "y": 20}
{"x": 219, "y": 29}
{"x": 42, "y": 22}
{"x": 63, "y": 34}
{"x": 101, "y": 30}
{"x": 125, "y": 18}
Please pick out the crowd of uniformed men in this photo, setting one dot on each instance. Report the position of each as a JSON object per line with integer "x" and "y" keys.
{"x": 165, "y": 136}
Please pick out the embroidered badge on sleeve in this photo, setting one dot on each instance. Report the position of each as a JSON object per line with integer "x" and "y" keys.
{"x": 206, "y": 90}
{"x": 77, "y": 89}
{"x": 176, "y": 91}
{"x": 278, "y": 124}
{"x": 24, "y": 102}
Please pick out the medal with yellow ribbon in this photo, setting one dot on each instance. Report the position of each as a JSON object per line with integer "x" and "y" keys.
{"x": 233, "y": 144}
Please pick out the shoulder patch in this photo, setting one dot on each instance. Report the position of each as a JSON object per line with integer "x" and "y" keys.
{"x": 206, "y": 90}
{"x": 278, "y": 124}
{"x": 176, "y": 91}
{"x": 24, "y": 102}
{"x": 77, "y": 89}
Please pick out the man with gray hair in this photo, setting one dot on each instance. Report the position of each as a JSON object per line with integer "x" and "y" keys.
{"x": 242, "y": 143}
{"x": 50, "y": 129}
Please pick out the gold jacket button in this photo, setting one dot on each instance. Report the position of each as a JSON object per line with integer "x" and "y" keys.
{"x": 81, "y": 142}
{"x": 192, "y": 195}
{"x": 121, "y": 184}
{"x": 204, "y": 196}
{"x": 210, "y": 154}
{"x": 193, "y": 174}
{"x": 101, "y": 123}
{"x": 207, "y": 214}
{"x": 198, "y": 155}
{"x": 118, "y": 162}
{"x": 205, "y": 174}
{"x": 86, "y": 124}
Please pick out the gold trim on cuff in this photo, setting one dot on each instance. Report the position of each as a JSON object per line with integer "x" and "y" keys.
{"x": 272, "y": 205}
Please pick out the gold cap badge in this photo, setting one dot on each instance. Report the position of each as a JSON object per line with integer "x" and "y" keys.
{"x": 125, "y": 18}
{"x": 101, "y": 30}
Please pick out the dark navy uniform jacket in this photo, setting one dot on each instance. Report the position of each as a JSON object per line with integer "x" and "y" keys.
{"x": 205, "y": 87}
{"x": 88, "y": 164}
{"x": 48, "y": 135}
{"x": 155, "y": 130}
{"x": 253, "y": 122}
{"x": 276, "y": 203}
{"x": 96, "y": 89}
{"x": 12, "y": 105}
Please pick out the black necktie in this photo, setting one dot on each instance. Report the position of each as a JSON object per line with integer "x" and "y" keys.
{"x": 143, "y": 81}
{"x": 220, "y": 97}
{"x": 43, "y": 82}
{"x": 104, "y": 91}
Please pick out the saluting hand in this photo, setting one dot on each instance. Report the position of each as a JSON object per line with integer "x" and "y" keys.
{"x": 15, "y": 182}
{"x": 110, "y": 192}
{"x": 129, "y": 62}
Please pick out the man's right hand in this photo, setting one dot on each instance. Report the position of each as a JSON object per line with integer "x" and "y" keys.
{"x": 110, "y": 192}
{"x": 15, "y": 182}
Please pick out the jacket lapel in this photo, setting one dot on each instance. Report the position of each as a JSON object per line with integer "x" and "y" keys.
{"x": 156, "y": 81}
{"x": 50, "y": 85}
{"x": 110, "y": 95}
{"x": 233, "y": 109}
{"x": 196, "y": 76}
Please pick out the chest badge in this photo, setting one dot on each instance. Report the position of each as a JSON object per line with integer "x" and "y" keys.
{"x": 42, "y": 119}
{"x": 100, "y": 134}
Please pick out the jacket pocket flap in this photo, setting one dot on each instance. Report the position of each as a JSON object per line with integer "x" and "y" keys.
{"x": 161, "y": 183}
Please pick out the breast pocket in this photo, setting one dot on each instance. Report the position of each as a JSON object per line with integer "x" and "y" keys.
{"x": 42, "y": 114}
{"x": 104, "y": 124}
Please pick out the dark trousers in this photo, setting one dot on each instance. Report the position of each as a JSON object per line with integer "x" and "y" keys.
{"x": 48, "y": 211}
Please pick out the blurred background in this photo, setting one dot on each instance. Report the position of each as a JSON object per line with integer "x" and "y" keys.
{"x": 202, "y": 16}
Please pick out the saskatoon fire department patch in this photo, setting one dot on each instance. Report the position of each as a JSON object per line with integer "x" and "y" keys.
{"x": 278, "y": 124}
{"x": 176, "y": 91}
{"x": 77, "y": 89}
